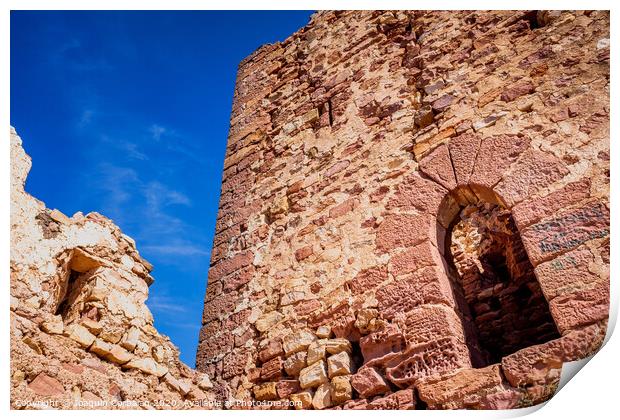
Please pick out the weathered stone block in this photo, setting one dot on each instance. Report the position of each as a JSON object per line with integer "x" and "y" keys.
{"x": 581, "y": 308}
{"x": 111, "y": 352}
{"x": 418, "y": 193}
{"x": 533, "y": 171}
{"x": 494, "y": 158}
{"x": 336, "y": 345}
{"x": 531, "y": 365}
{"x": 322, "y": 397}
{"x": 272, "y": 349}
{"x": 286, "y": 387}
{"x": 339, "y": 364}
{"x": 558, "y": 234}
{"x": 463, "y": 151}
{"x": 297, "y": 341}
{"x": 431, "y": 322}
{"x": 316, "y": 352}
{"x": 415, "y": 258}
{"x": 404, "y": 230}
{"x": 453, "y": 391}
{"x": 302, "y": 400}
{"x": 265, "y": 392}
{"x": 148, "y": 366}
{"x": 429, "y": 285}
{"x": 385, "y": 342}
{"x": 438, "y": 166}
{"x": 368, "y": 279}
{"x": 79, "y": 334}
{"x": 399, "y": 400}
{"x": 368, "y": 382}
{"x": 272, "y": 369}
{"x": 313, "y": 375}
{"x": 532, "y": 210}
{"x": 341, "y": 389}
{"x": 429, "y": 359}
{"x": 45, "y": 385}
{"x": 295, "y": 363}
{"x": 567, "y": 273}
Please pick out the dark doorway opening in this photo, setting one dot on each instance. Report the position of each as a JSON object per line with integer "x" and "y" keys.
{"x": 500, "y": 300}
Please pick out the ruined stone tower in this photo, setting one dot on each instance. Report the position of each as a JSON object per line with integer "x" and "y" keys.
{"x": 82, "y": 336}
{"x": 414, "y": 211}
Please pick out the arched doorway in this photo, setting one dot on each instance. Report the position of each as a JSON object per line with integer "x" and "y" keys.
{"x": 498, "y": 296}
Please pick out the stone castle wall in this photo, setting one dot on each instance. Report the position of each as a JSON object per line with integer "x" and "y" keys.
{"x": 81, "y": 334}
{"x": 398, "y": 189}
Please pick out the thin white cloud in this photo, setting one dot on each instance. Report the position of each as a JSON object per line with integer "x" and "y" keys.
{"x": 157, "y": 131}
{"x": 185, "y": 249}
{"x": 164, "y": 303}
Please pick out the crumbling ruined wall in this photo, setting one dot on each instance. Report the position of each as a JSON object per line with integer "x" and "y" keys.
{"x": 81, "y": 333}
{"x": 354, "y": 148}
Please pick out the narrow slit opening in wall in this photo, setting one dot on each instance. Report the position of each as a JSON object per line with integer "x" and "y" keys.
{"x": 330, "y": 112}
{"x": 499, "y": 298}
{"x": 63, "y": 305}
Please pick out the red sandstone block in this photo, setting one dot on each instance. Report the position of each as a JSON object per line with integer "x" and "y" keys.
{"x": 217, "y": 344}
{"x": 415, "y": 258}
{"x": 303, "y": 253}
{"x": 453, "y": 391}
{"x": 531, "y": 365}
{"x": 338, "y": 167}
{"x": 438, "y": 166}
{"x": 533, "y": 171}
{"x": 236, "y": 280}
{"x": 214, "y": 288}
{"x": 272, "y": 369}
{"x": 495, "y": 156}
{"x": 343, "y": 208}
{"x": 463, "y": 151}
{"x": 227, "y": 235}
{"x": 228, "y": 266}
{"x": 46, "y": 385}
{"x": 442, "y": 103}
{"x": 400, "y": 400}
{"x": 427, "y": 323}
{"x": 287, "y": 387}
{"x": 328, "y": 316}
{"x": 415, "y": 192}
{"x": 271, "y": 350}
{"x": 531, "y": 211}
{"x": 306, "y": 307}
{"x": 219, "y": 306}
{"x": 368, "y": 382}
{"x": 581, "y": 308}
{"x": 378, "y": 344}
{"x": 429, "y": 285}
{"x": 368, "y": 279}
{"x": 404, "y": 230}
{"x": 73, "y": 368}
{"x": 433, "y": 358}
{"x": 356, "y": 405}
{"x": 234, "y": 365}
{"x": 567, "y": 273}
{"x": 517, "y": 90}
{"x": 566, "y": 231}
{"x": 236, "y": 320}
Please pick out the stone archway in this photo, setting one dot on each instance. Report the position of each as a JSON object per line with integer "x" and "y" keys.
{"x": 498, "y": 297}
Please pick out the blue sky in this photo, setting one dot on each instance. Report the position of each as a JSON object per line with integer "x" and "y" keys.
{"x": 126, "y": 114}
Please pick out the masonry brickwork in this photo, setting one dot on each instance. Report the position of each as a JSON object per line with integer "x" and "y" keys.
{"x": 398, "y": 187}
